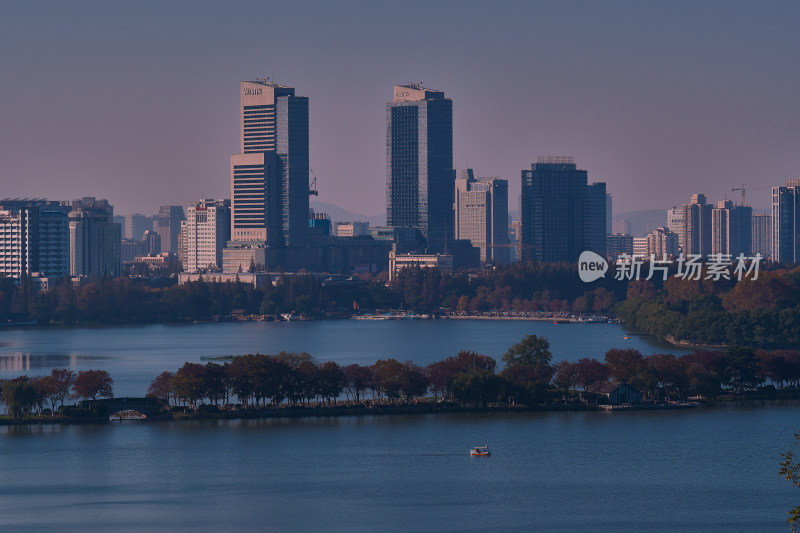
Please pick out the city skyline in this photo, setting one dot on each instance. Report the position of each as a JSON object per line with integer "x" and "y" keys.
{"x": 133, "y": 102}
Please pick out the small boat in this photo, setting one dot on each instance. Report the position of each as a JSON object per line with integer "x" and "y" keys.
{"x": 480, "y": 451}
{"x": 626, "y": 337}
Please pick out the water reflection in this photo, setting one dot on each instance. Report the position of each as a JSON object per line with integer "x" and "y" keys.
{"x": 23, "y": 362}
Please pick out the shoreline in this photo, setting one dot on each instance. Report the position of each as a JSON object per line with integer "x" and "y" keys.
{"x": 401, "y": 410}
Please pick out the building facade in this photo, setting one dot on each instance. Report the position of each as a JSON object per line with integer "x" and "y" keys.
{"x": 731, "y": 231}
{"x": 94, "y": 240}
{"x": 36, "y": 233}
{"x": 676, "y": 224}
{"x": 761, "y": 236}
{"x": 560, "y": 217}
{"x": 786, "y": 223}
{"x": 618, "y": 244}
{"x": 204, "y": 234}
{"x": 269, "y": 178}
{"x": 481, "y": 216}
{"x": 663, "y": 244}
{"x": 696, "y": 226}
{"x": 168, "y": 226}
{"x": 419, "y": 163}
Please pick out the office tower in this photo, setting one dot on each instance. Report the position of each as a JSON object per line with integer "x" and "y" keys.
{"x": 419, "y": 163}
{"x": 269, "y": 178}
{"x": 761, "y": 236}
{"x": 38, "y": 233}
{"x": 481, "y": 215}
{"x": 168, "y": 226}
{"x": 662, "y": 243}
{"x": 731, "y": 229}
{"x": 204, "y": 234}
{"x": 135, "y": 226}
{"x": 596, "y": 218}
{"x": 786, "y": 222}
{"x": 675, "y": 223}
{"x": 609, "y": 203}
{"x": 618, "y": 244}
{"x": 560, "y": 213}
{"x": 697, "y": 226}
{"x": 94, "y": 240}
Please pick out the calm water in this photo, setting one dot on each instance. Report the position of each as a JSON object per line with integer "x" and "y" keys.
{"x": 703, "y": 470}
{"x": 695, "y": 471}
{"x": 135, "y": 355}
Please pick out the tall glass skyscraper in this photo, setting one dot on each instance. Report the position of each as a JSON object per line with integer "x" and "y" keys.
{"x": 420, "y": 179}
{"x": 269, "y": 178}
{"x": 786, "y": 222}
{"x": 562, "y": 215}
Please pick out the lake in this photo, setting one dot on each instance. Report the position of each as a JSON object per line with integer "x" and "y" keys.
{"x": 697, "y": 470}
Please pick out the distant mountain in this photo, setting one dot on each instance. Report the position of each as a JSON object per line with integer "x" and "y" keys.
{"x": 337, "y": 214}
{"x": 643, "y": 222}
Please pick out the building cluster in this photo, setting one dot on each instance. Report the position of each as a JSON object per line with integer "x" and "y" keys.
{"x": 704, "y": 229}
{"x": 435, "y": 216}
{"x": 52, "y": 240}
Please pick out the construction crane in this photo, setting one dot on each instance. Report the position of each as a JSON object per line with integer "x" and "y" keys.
{"x": 744, "y": 188}
{"x": 312, "y": 188}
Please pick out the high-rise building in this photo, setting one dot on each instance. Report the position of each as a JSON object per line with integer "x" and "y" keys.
{"x": 731, "y": 229}
{"x": 761, "y": 241}
{"x": 204, "y": 234}
{"x": 609, "y": 204}
{"x": 481, "y": 215}
{"x": 560, "y": 213}
{"x": 419, "y": 163}
{"x": 596, "y": 218}
{"x": 676, "y": 224}
{"x": 41, "y": 237}
{"x": 696, "y": 226}
{"x": 662, "y": 243}
{"x": 269, "y": 178}
{"x": 786, "y": 222}
{"x": 94, "y": 240}
{"x": 168, "y": 226}
{"x": 135, "y": 226}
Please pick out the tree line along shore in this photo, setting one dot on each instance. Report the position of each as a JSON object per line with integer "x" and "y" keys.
{"x": 764, "y": 312}
{"x": 247, "y": 385}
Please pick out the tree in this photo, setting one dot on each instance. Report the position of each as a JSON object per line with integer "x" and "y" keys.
{"x": 790, "y": 470}
{"x": 63, "y": 381}
{"x": 20, "y": 396}
{"x": 161, "y": 387}
{"x": 89, "y": 384}
{"x": 530, "y": 351}
{"x": 623, "y": 363}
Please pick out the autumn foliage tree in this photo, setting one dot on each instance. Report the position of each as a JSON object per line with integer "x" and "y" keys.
{"x": 91, "y": 384}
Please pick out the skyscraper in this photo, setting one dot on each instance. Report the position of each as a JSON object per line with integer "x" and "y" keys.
{"x": 419, "y": 163}
{"x": 562, "y": 215}
{"x": 731, "y": 229}
{"x": 786, "y": 222}
{"x": 761, "y": 242}
{"x": 269, "y": 178}
{"x": 696, "y": 226}
{"x": 481, "y": 216}
{"x": 94, "y": 240}
{"x": 596, "y": 218}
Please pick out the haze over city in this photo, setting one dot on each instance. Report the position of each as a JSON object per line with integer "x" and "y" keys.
{"x": 138, "y": 102}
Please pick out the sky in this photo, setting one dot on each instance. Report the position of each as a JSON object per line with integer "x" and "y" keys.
{"x": 137, "y": 102}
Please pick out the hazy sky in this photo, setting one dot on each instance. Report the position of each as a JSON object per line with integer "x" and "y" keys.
{"x": 138, "y": 101}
